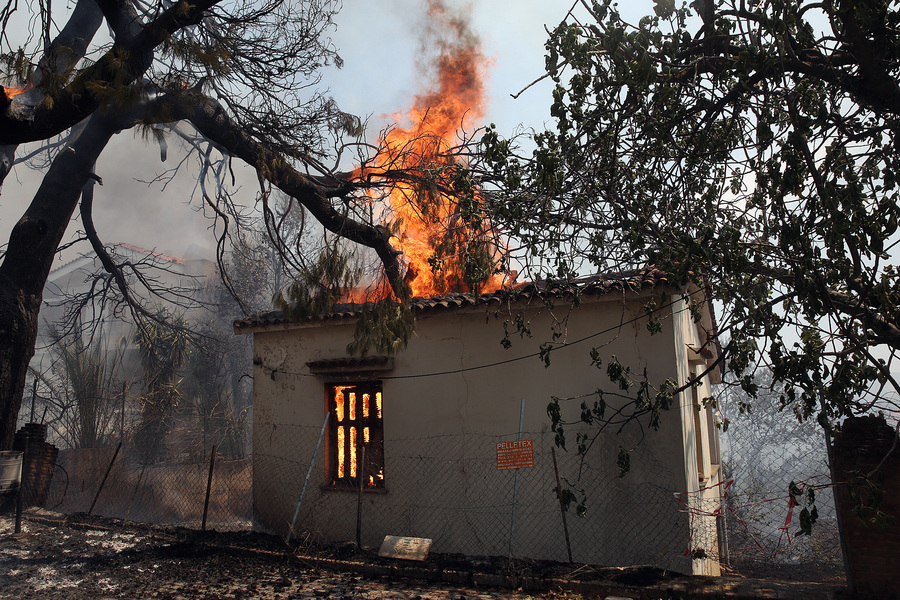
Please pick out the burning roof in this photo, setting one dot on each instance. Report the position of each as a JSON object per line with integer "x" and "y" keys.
{"x": 596, "y": 285}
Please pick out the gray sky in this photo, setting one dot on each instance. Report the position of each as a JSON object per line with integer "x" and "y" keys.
{"x": 380, "y": 43}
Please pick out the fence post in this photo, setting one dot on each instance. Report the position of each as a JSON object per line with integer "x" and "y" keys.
{"x": 867, "y": 476}
{"x": 360, "y": 471}
{"x": 33, "y": 397}
{"x": 562, "y": 506}
{"x": 122, "y": 422}
{"x": 20, "y": 493}
{"x": 102, "y": 483}
{"x": 212, "y": 464}
{"x": 312, "y": 463}
{"x": 512, "y": 522}
{"x": 134, "y": 494}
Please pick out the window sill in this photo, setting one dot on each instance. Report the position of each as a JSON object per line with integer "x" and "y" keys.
{"x": 352, "y": 490}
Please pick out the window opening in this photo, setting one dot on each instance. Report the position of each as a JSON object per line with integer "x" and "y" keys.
{"x": 357, "y": 411}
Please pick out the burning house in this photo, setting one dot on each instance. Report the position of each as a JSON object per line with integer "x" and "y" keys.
{"x": 417, "y": 431}
{"x": 449, "y": 438}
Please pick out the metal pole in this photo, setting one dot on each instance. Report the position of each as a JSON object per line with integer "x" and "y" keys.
{"x": 33, "y": 397}
{"x": 20, "y": 493}
{"x": 122, "y": 421}
{"x": 360, "y": 472}
{"x": 102, "y": 483}
{"x": 512, "y": 523}
{"x": 136, "y": 488}
{"x": 212, "y": 464}
{"x": 562, "y": 506}
{"x": 287, "y": 538}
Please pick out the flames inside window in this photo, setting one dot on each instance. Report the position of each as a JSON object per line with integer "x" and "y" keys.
{"x": 356, "y": 435}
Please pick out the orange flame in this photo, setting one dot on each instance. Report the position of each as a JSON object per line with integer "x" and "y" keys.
{"x": 12, "y": 92}
{"x": 434, "y": 234}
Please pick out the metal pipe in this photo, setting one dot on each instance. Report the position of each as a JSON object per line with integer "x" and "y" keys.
{"x": 20, "y": 500}
{"x": 290, "y": 532}
{"x": 102, "y": 483}
{"x": 562, "y": 505}
{"x": 361, "y": 472}
{"x": 212, "y": 464}
{"x": 512, "y": 523}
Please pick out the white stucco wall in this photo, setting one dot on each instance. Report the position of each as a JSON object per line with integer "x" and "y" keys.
{"x": 702, "y": 476}
{"x": 455, "y": 382}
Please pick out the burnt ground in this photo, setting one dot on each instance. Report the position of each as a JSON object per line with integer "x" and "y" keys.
{"x": 93, "y": 558}
{"x": 78, "y": 557}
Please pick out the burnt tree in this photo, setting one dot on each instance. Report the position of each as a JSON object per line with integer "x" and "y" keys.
{"x": 241, "y": 76}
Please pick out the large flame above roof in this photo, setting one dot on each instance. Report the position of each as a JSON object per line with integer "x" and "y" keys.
{"x": 435, "y": 231}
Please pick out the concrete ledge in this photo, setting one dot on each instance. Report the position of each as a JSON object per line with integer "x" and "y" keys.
{"x": 685, "y": 588}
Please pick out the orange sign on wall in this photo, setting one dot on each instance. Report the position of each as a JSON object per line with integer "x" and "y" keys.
{"x": 515, "y": 455}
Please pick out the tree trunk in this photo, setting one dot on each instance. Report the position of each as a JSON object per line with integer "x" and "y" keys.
{"x": 32, "y": 247}
{"x": 18, "y": 332}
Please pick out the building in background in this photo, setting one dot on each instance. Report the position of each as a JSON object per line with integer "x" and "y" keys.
{"x": 73, "y": 284}
{"x": 81, "y": 300}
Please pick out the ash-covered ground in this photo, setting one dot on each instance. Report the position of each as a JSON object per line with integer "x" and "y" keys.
{"x": 90, "y": 558}
{"x": 77, "y": 557}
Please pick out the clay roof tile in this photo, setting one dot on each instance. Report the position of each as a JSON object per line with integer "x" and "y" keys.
{"x": 633, "y": 280}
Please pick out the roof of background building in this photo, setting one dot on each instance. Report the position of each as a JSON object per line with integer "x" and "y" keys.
{"x": 596, "y": 285}
{"x": 90, "y": 258}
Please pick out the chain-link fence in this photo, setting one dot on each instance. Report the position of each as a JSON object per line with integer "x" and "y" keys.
{"x": 449, "y": 489}
{"x": 165, "y": 481}
{"x": 115, "y": 482}
{"x": 763, "y": 456}
{"x": 446, "y": 488}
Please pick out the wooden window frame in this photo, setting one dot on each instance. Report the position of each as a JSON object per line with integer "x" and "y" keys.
{"x": 349, "y": 423}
